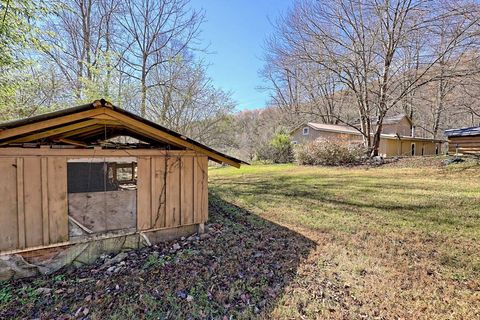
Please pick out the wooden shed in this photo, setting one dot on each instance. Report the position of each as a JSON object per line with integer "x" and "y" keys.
{"x": 464, "y": 140}
{"x": 95, "y": 178}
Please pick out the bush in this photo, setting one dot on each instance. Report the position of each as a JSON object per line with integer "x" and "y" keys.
{"x": 279, "y": 150}
{"x": 329, "y": 153}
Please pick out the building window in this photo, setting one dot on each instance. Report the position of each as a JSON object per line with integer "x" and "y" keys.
{"x": 423, "y": 150}
{"x": 436, "y": 149}
{"x": 413, "y": 149}
{"x": 306, "y": 131}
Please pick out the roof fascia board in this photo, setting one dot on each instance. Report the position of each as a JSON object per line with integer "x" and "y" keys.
{"x": 45, "y": 124}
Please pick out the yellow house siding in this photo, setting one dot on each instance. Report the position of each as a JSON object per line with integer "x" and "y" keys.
{"x": 388, "y": 147}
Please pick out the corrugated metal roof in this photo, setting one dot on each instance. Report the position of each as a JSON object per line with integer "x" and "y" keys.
{"x": 461, "y": 132}
{"x": 333, "y": 128}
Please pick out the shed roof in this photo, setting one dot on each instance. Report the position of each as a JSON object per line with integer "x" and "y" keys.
{"x": 84, "y": 125}
{"x": 463, "y": 132}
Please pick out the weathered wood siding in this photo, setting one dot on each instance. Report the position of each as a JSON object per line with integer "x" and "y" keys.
{"x": 33, "y": 198}
{"x": 172, "y": 191}
{"x": 464, "y": 145}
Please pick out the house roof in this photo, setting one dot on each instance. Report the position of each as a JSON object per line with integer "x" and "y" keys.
{"x": 462, "y": 132}
{"x": 83, "y": 126}
{"x": 395, "y": 119}
{"x": 331, "y": 128}
{"x": 349, "y": 130}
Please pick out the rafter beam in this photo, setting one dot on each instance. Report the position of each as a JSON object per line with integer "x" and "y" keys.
{"x": 13, "y": 132}
{"x": 160, "y": 135}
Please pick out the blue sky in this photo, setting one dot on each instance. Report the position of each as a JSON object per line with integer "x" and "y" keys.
{"x": 235, "y": 31}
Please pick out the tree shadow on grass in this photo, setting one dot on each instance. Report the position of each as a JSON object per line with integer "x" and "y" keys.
{"x": 239, "y": 270}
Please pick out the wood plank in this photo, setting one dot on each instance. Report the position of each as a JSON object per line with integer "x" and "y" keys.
{"x": 9, "y": 133}
{"x": 159, "y": 214}
{"x": 187, "y": 187}
{"x": 204, "y": 193}
{"x": 8, "y": 201}
{"x": 72, "y": 142}
{"x": 73, "y": 133}
{"x": 103, "y": 211}
{"x": 144, "y": 193}
{"x": 45, "y": 218}
{"x": 161, "y": 135}
{"x": 33, "y": 202}
{"x": 201, "y": 191}
{"x": 52, "y": 132}
{"x": 20, "y": 204}
{"x": 173, "y": 203}
{"x": 13, "y": 152}
{"x": 57, "y": 199}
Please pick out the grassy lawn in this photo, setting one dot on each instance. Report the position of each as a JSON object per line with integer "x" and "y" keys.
{"x": 390, "y": 242}
{"x": 285, "y": 242}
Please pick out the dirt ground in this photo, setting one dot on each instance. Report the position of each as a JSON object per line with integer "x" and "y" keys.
{"x": 239, "y": 269}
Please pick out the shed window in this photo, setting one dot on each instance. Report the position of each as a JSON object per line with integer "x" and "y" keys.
{"x": 306, "y": 131}
{"x": 102, "y": 195}
{"x": 436, "y": 149}
{"x": 413, "y": 149}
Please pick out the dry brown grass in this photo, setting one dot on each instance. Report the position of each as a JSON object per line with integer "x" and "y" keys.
{"x": 395, "y": 242}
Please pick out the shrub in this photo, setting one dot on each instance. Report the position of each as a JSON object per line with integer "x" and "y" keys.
{"x": 329, "y": 153}
{"x": 279, "y": 150}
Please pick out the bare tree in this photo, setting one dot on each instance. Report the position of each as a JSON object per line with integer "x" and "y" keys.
{"x": 368, "y": 46}
{"x": 79, "y": 40}
{"x": 156, "y": 32}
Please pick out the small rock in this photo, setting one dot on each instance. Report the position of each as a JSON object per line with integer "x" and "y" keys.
{"x": 204, "y": 236}
{"x": 117, "y": 287}
{"x": 88, "y": 298}
{"x": 182, "y": 238}
{"x": 111, "y": 269}
{"x": 189, "y": 298}
{"x": 43, "y": 291}
{"x": 176, "y": 247}
{"x": 182, "y": 294}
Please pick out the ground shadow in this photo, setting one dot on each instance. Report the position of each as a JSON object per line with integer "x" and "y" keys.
{"x": 239, "y": 269}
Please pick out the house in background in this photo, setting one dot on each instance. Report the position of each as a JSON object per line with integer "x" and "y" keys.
{"x": 397, "y": 138}
{"x": 72, "y": 190}
{"x": 464, "y": 140}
